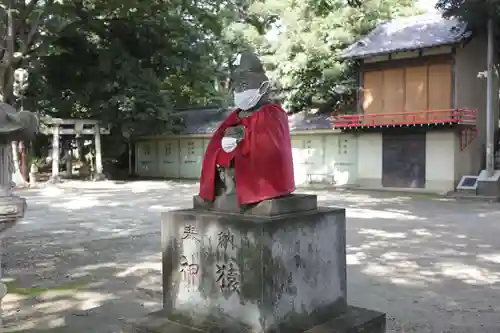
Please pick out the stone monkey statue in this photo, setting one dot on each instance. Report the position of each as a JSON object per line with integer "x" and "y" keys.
{"x": 251, "y": 91}
{"x": 249, "y": 157}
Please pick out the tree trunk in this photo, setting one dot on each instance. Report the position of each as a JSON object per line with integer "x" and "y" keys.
{"x": 68, "y": 156}
{"x": 23, "y": 149}
{"x": 79, "y": 153}
{"x": 17, "y": 176}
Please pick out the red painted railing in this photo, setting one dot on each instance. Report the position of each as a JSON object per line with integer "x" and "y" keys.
{"x": 467, "y": 135}
{"x": 454, "y": 116}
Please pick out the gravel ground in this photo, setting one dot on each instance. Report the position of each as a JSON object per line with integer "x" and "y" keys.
{"x": 87, "y": 256}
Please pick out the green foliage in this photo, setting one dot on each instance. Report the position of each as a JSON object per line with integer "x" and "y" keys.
{"x": 127, "y": 62}
{"x": 475, "y": 12}
{"x": 303, "y": 40}
{"x": 22, "y": 23}
{"x": 131, "y": 62}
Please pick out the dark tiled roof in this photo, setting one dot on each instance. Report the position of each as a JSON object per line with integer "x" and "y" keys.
{"x": 202, "y": 121}
{"x": 303, "y": 122}
{"x": 409, "y": 33}
{"x": 205, "y": 121}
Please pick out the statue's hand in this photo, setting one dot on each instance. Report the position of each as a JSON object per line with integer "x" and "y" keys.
{"x": 229, "y": 144}
{"x": 237, "y": 132}
{"x": 232, "y": 137}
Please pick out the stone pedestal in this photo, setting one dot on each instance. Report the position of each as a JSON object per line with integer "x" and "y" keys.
{"x": 99, "y": 177}
{"x": 12, "y": 209}
{"x": 488, "y": 185}
{"x": 292, "y": 203}
{"x": 14, "y": 126}
{"x": 260, "y": 273}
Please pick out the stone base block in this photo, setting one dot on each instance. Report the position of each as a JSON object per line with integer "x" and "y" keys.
{"x": 488, "y": 185}
{"x": 54, "y": 180}
{"x": 99, "y": 177}
{"x": 12, "y": 209}
{"x": 354, "y": 320}
{"x": 288, "y": 204}
{"x": 282, "y": 273}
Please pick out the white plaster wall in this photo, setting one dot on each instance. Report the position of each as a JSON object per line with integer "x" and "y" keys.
{"x": 441, "y": 150}
{"x": 440, "y": 161}
{"x": 309, "y": 158}
{"x": 470, "y": 91}
{"x": 325, "y": 158}
{"x": 168, "y": 158}
{"x": 191, "y": 152}
{"x": 147, "y": 164}
{"x": 370, "y": 160}
{"x": 467, "y": 160}
{"x": 341, "y": 158}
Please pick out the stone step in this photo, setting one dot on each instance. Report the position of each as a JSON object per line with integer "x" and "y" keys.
{"x": 466, "y": 196}
{"x": 466, "y": 191}
{"x": 354, "y": 320}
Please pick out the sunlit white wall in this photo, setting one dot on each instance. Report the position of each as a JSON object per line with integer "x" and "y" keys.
{"x": 325, "y": 158}
{"x": 428, "y": 5}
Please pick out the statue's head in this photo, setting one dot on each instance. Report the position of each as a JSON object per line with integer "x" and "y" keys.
{"x": 250, "y": 83}
{"x": 15, "y": 125}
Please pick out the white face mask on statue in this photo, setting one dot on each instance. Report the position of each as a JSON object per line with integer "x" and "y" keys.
{"x": 247, "y": 99}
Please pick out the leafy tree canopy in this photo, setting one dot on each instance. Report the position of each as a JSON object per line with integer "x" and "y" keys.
{"x": 474, "y": 12}
{"x": 301, "y": 41}
{"x": 131, "y": 62}
{"x": 126, "y": 62}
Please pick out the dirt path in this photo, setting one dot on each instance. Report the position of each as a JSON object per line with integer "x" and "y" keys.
{"x": 87, "y": 257}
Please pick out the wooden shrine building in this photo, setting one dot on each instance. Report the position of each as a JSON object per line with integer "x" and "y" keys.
{"x": 421, "y": 115}
{"x": 420, "y": 122}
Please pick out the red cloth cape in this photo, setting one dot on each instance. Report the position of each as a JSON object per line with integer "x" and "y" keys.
{"x": 263, "y": 164}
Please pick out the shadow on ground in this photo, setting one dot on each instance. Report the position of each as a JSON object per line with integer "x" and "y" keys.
{"x": 90, "y": 298}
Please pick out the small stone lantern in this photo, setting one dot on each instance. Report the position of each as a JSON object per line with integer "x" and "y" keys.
{"x": 14, "y": 126}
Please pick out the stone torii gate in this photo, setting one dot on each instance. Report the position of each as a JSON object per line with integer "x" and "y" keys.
{"x": 77, "y": 127}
